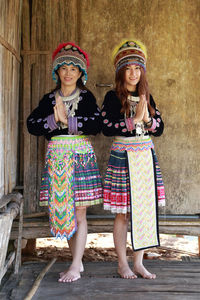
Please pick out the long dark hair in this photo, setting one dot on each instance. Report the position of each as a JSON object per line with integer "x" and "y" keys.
{"x": 122, "y": 92}
{"x": 79, "y": 82}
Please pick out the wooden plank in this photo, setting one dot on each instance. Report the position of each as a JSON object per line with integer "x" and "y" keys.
{"x": 199, "y": 244}
{"x": 184, "y": 230}
{"x": 175, "y": 280}
{"x": 8, "y": 263}
{"x": 29, "y": 167}
{"x": 12, "y": 210}
{"x": 2, "y": 179}
{"x": 9, "y": 112}
{"x": 35, "y": 52}
{"x": 37, "y": 48}
{"x": 5, "y": 225}
{"x": 41, "y": 149}
{"x": 5, "y": 44}
{"x": 7, "y": 58}
{"x": 26, "y": 25}
{"x": 6, "y": 221}
{"x": 10, "y": 40}
{"x": 8, "y": 198}
{"x": 39, "y": 227}
{"x": 38, "y": 280}
{"x": 10, "y": 17}
{"x": 19, "y": 239}
{"x": 34, "y": 215}
{"x": 4, "y": 201}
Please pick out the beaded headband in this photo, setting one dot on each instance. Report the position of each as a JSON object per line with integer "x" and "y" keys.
{"x": 69, "y": 53}
{"x": 129, "y": 52}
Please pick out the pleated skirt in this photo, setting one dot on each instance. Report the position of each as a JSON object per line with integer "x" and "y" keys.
{"x": 133, "y": 183}
{"x": 70, "y": 179}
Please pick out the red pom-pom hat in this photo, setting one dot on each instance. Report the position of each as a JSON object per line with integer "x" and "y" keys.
{"x": 69, "y": 53}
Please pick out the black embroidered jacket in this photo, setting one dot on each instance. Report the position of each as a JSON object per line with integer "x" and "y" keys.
{"x": 115, "y": 124}
{"x": 86, "y": 121}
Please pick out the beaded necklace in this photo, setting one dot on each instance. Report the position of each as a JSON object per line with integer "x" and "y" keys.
{"x": 139, "y": 126}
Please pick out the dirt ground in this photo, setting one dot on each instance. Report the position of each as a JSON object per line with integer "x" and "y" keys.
{"x": 100, "y": 247}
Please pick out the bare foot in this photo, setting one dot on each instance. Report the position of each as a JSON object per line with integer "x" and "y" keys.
{"x": 142, "y": 271}
{"x": 72, "y": 274}
{"x": 81, "y": 270}
{"x": 126, "y": 273}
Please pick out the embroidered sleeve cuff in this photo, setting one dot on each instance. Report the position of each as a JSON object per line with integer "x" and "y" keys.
{"x": 51, "y": 122}
{"x": 130, "y": 125}
{"x": 153, "y": 127}
{"x": 72, "y": 125}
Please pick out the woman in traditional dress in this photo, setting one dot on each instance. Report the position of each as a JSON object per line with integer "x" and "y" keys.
{"x": 71, "y": 181}
{"x": 133, "y": 183}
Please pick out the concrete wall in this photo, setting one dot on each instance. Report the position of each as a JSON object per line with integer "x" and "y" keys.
{"x": 170, "y": 30}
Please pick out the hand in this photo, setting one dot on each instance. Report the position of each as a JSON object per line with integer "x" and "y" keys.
{"x": 146, "y": 117}
{"x": 60, "y": 111}
{"x": 140, "y": 110}
{"x": 56, "y": 114}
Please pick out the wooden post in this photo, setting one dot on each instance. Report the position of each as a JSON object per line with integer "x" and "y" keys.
{"x": 19, "y": 240}
{"x": 13, "y": 204}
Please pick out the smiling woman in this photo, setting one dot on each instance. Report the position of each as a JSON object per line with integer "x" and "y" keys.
{"x": 133, "y": 182}
{"x": 71, "y": 181}
{"x": 132, "y": 77}
{"x": 69, "y": 75}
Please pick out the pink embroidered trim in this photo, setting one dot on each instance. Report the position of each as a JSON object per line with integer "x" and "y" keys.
{"x": 130, "y": 125}
{"x": 153, "y": 127}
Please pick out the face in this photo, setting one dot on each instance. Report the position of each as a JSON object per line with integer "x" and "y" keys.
{"x": 69, "y": 75}
{"x": 132, "y": 77}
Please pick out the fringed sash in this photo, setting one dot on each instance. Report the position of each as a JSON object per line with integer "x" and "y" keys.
{"x": 143, "y": 191}
{"x": 61, "y": 196}
{"x": 144, "y": 227}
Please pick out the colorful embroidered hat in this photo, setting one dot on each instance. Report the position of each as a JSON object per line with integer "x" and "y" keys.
{"x": 69, "y": 53}
{"x": 129, "y": 52}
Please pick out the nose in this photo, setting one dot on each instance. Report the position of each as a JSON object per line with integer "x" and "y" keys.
{"x": 67, "y": 71}
{"x": 133, "y": 72}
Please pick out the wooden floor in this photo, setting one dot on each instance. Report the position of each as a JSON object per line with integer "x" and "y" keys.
{"x": 175, "y": 280}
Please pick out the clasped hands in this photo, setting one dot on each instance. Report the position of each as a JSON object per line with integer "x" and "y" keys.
{"x": 142, "y": 113}
{"x": 60, "y": 111}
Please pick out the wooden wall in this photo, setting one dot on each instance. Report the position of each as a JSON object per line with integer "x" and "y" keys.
{"x": 45, "y": 24}
{"x": 10, "y": 38}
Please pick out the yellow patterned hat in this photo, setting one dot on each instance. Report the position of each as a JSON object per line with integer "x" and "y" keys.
{"x": 129, "y": 52}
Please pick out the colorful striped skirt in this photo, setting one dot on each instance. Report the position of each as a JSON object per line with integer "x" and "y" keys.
{"x": 133, "y": 183}
{"x": 70, "y": 179}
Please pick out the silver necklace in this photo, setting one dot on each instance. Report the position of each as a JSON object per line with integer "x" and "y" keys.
{"x": 139, "y": 126}
{"x": 71, "y": 102}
